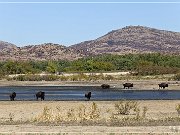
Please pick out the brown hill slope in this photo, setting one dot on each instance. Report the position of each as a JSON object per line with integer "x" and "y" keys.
{"x": 7, "y": 47}
{"x": 132, "y": 39}
{"x": 46, "y": 51}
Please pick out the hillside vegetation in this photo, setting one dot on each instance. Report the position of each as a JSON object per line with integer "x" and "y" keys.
{"x": 139, "y": 64}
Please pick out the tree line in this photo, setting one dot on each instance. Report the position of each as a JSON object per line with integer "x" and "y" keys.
{"x": 142, "y": 64}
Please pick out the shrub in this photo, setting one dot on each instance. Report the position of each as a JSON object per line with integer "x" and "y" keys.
{"x": 178, "y": 109}
{"x": 109, "y": 77}
{"x": 71, "y": 115}
{"x": 63, "y": 78}
{"x": 124, "y": 107}
{"x": 46, "y": 115}
{"x": 177, "y": 77}
{"x": 94, "y": 114}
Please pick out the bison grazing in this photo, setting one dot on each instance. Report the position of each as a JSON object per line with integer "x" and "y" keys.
{"x": 105, "y": 86}
{"x": 88, "y": 95}
{"x": 41, "y": 95}
{"x": 163, "y": 85}
{"x": 128, "y": 85}
{"x": 12, "y": 96}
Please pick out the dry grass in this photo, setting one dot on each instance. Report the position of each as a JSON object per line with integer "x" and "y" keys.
{"x": 79, "y": 114}
{"x": 135, "y": 113}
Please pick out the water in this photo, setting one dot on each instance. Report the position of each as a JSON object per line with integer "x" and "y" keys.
{"x": 77, "y": 93}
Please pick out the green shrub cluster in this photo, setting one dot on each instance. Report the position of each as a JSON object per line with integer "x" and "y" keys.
{"x": 143, "y": 64}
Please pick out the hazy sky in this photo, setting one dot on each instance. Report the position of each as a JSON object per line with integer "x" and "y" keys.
{"x": 67, "y": 24}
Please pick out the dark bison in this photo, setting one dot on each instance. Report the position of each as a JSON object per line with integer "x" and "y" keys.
{"x": 12, "y": 96}
{"x": 163, "y": 85}
{"x": 41, "y": 95}
{"x": 105, "y": 86}
{"x": 88, "y": 95}
{"x": 128, "y": 85}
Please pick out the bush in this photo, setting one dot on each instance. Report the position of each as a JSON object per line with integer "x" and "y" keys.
{"x": 177, "y": 77}
{"x": 81, "y": 114}
{"x": 178, "y": 109}
{"x": 124, "y": 107}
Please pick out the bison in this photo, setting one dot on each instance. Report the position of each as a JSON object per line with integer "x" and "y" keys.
{"x": 41, "y": 95}
{"x": 105, "y": 86}
{"x": 88, "y": 95}
{"x": 12, "y": 96}
{"x": 128, "y": 85}
{"x": 163, "y": 85}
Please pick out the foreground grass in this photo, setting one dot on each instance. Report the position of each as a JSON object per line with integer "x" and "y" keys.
{"x": 125, "y": 113}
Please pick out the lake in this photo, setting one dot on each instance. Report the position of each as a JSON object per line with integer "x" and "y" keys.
{"x": 77, "y": 93}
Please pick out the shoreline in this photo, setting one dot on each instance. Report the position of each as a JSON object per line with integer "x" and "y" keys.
{"x": 138, "y": 84}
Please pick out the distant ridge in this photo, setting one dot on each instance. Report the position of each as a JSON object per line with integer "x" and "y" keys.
{"x": 130, "y": 39}
{"x": 47, "y": 51}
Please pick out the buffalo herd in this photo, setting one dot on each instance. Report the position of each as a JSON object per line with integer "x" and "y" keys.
{"x": 130, "y": 85}
{"x": 41, "y": 94}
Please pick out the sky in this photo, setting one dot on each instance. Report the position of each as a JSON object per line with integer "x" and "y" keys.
{"x": 70, "y": 23}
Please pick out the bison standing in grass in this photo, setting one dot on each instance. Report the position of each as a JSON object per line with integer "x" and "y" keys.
{"x": 41, "y": 95}
{"x": 105, "y": 86}
{"x": 12, "y": 96}
{"x": 128, "y": 85}
{"x": 163, "y": 85}
{"x": 88, "y": 95}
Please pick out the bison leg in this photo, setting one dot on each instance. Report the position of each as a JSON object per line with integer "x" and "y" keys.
{"x": 42, "y": 98}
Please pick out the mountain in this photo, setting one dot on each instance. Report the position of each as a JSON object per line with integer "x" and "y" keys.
{"x": 130, "y": 39}
{"x": 47, "y": 51}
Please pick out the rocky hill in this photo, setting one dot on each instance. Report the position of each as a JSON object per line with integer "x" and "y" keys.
{"x": 130, "y": 39}
{"x": 7, "y": 47}
{"x": 47, "y": 51}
